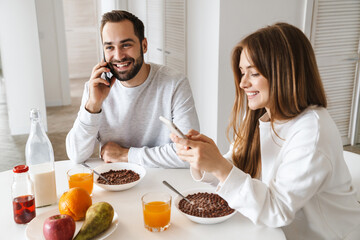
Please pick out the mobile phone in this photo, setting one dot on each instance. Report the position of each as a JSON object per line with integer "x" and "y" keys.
{"x": 173, "y": 128}
{"x": 107, "y": 74}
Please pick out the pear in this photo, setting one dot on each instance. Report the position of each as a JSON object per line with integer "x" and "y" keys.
{"x": 98, "y": 218}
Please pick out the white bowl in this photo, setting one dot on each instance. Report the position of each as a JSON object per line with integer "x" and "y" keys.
{"x": 201, "y": 220}
{"x": 119, "y": 166}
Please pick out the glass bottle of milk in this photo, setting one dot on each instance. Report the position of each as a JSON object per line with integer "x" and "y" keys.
{"x": 40, "y": 159}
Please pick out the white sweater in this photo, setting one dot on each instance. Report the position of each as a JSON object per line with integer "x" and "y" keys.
{"x": 305, "y": 186}
{"x": 130, "y": 117}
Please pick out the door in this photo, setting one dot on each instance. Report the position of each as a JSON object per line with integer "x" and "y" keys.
{"x": 335, "y": 35}
{"x": 166, "y": 33}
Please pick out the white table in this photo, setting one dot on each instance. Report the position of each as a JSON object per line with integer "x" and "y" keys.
{"x": 127, "y": 204}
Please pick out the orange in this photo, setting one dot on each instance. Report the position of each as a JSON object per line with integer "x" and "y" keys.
{"x": 75, "y": 203}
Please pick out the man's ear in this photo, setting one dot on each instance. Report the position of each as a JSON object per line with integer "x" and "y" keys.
{"x": 144, "y": 45}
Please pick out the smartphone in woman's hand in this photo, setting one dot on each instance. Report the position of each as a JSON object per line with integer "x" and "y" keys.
{"x": 173, "y": 128}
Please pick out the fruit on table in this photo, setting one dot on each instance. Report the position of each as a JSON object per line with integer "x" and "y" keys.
{"x": 75, "y": 202}
{"x": 59, "y": 227}
{"x": 98, "y": 219}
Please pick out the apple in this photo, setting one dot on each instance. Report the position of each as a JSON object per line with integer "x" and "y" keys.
{"x": 59, "y": 227}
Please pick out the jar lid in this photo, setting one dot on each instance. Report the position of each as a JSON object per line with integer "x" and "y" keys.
{"x": 20, "y": 169}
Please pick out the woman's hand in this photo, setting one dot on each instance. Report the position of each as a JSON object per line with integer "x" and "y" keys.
{"x": 202, "y": 153}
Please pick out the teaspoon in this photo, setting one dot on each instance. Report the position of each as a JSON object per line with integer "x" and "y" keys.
{"x": 172, "y": 188}
{"x": 101, "y": 176}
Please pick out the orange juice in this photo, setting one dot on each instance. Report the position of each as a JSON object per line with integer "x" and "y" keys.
{"x": 83, "y": 180}
{"x": 157, "y": 214}
{"x": 156, "y": 211}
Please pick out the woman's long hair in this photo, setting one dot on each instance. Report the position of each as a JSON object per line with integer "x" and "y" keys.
{"x": 284, "y": 56}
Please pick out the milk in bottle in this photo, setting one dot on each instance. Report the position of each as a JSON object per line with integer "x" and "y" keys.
{"x": 40, "y": 159}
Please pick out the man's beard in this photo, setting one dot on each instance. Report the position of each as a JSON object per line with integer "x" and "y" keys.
{"x": 129, "y": 74}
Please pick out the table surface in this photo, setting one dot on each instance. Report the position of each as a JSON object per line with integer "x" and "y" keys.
{"x": 127, "y": 204}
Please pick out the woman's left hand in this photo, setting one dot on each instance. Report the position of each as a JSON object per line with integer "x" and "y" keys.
{"x": 202, "y": 154}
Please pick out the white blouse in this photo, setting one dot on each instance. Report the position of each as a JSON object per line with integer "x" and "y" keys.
{"x": 305, "y": 185}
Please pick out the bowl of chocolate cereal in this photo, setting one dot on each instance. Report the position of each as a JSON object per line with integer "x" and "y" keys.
{"x": 205, "y": 206}
{"x": 120, "y": 176}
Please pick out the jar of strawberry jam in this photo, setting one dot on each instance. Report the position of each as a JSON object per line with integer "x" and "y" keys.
{"x": 23, "y": 197}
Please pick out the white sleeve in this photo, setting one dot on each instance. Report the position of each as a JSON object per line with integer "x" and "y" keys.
{"x": 185, "y": 118}
{"x": 160, "y": 156}
{"x": 81, "y": 139}
{"x": 299, "y": 177}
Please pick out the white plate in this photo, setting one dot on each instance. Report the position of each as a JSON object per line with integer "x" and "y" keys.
{"x": 34, "y": 229}
{"x": 119, "y": 166}
{"x": 200, "y": 220}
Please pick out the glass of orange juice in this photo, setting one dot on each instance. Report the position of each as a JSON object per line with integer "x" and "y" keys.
{"x": 156, "y": 209}
{"x": 80, "y": 176}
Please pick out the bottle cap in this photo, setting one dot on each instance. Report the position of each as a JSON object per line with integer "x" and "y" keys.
{"x": 20, "y": 169}
{"x": 34, "y": 113}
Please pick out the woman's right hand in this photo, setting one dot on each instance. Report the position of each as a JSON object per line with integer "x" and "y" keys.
{"x": 98, "y": 88}
{"x": 202, "y": 153}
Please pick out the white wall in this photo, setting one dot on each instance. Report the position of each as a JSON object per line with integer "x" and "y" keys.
{"x": 203, "y": 60}
{"x": 138, "y": 8}
{"x": 21, "y": 62}
{"x": 34, "y": 60}
{"x": 50, "y": 19}
{"x": 214, "y": 27}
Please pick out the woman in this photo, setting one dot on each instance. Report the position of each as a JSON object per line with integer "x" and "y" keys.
{"x": 285, "y": 167}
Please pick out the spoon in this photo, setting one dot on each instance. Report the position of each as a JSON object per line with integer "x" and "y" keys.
{"x": 172, "y": 188}
{"x": 101, "y": 176}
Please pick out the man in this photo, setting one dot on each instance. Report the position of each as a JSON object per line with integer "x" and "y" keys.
{"x": 123, "y": 113}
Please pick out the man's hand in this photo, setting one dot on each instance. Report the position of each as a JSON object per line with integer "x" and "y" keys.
{"x": 99, "y": 88}
{"x": 113, "y": 152}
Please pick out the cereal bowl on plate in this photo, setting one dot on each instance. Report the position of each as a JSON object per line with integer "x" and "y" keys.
{"x": 121, "y": 175}
{"x": 206, "y": 206}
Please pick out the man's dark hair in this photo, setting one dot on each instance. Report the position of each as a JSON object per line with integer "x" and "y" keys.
{"x": 120, "y": 15}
